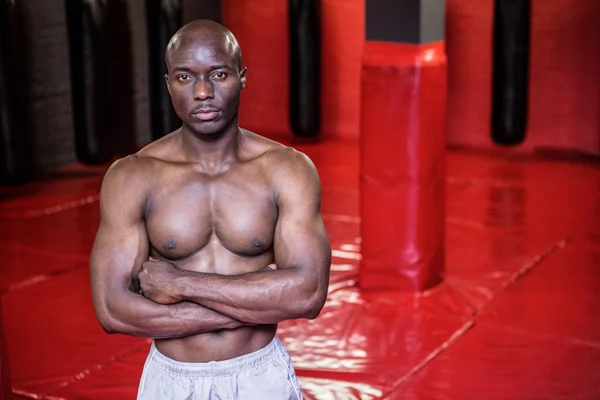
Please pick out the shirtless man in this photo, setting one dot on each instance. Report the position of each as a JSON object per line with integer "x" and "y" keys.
{"x": 209, "y": 237}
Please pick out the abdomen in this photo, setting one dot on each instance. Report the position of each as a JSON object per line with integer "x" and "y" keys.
{"x": 217, "y": 346}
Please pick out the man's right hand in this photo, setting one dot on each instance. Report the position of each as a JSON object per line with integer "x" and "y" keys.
{"x": 156, "y": 281}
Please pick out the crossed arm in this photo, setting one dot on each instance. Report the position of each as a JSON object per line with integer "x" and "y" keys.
{"x": 120, "y": 248}
{"x": 296, "y": 289}
{"x": 197, "y": 302}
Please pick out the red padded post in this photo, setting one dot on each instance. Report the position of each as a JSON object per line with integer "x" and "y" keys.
{"x": 402, "y": 176}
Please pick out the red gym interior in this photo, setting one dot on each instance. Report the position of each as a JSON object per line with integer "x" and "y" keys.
{"x": 516, "y": 315}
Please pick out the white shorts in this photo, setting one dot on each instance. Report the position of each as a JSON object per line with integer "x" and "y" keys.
{"x": 264, "y": 374}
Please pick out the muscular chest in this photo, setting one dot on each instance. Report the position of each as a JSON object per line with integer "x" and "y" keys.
{"x": 191, "y": 212}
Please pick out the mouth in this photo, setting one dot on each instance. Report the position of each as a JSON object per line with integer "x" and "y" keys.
{"x": 205, "y": 115}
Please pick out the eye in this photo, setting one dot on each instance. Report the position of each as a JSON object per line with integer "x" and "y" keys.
{"x": 183, "y": 78}
{"x": 220, "y": 75}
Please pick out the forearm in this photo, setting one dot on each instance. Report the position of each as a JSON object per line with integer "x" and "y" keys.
{"x": 262, "y": 297}
{"x": 133, "y": 314}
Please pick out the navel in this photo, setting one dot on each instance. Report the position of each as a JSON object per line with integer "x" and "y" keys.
{"x": 218, "y": 333}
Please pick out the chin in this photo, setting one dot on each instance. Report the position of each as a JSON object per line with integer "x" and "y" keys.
{"x": 210, "y": 128}
{"x": 207, "y": 128}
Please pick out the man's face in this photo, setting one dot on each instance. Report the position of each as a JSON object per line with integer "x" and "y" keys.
{"x": 204, "y": 80}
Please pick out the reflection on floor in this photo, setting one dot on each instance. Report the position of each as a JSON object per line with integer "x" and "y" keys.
{"x": 516, "y": 318}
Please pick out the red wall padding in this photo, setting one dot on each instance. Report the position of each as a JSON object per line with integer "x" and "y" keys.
{"x": 565, "y": 81}
{"x": 469, "y": 54}
{"x": 564, "y": 86}
{"x": 564, "y": 106}
{"x": 261, "y": 28}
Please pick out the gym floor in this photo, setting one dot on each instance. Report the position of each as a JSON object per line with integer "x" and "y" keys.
{"x": 517, "y": 317}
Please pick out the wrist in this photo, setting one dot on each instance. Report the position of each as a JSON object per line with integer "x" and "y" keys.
{"x": 179, "y": 286}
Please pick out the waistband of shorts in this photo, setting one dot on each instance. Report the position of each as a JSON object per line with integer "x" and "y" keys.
{"x": 216, "y": 368}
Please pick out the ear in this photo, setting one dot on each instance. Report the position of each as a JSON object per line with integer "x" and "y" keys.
{"x": 243, "y": 77}
{"x": 167, "y": 83}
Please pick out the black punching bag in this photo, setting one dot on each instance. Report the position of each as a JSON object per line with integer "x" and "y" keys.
{"x": 120, "y": 84}
{"x": 15, "y": 130}
{"x": 512, "y": 19}
{"x": 89, "y": 44}
{"x": 163, "y": 19}
{"x": 305, "y": 66}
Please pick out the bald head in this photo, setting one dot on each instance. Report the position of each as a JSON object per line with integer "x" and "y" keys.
{"x": 205, "y": 77}
{"x": 204, "y": 32}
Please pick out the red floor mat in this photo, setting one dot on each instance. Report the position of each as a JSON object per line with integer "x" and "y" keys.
{"x": 516, "y": 317}
{"x": 502, "y": 364}
{"x": 556, "y": 300}
{"x": 52, "y": 334}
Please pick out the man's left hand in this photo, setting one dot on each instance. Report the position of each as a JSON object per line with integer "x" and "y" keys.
{"x": 157, "y": 281}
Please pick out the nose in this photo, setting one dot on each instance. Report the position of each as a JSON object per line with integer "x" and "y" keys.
{"x": 203, "y": 90}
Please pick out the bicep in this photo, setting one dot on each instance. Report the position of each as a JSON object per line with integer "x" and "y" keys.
{"x": 301, "y": 242}
{"x": 117, "y": 253}
{"x": 300, "y": 237}
{"x": 121, "y": 243}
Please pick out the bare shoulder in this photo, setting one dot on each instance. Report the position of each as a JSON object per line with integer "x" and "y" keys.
{"x": 289, "y": 170}
{"x": 136, "y": 170}
{"x": 287, "y": 162}
{"x": 125, "y": 171}
{"x": 126, "y": 183}
{"x": 282, "y": 162}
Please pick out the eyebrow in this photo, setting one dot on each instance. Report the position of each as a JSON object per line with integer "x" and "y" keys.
{"x": 221, "y": 66}
{"x": 212, "y": 68}
{"x": 182, "y": 69}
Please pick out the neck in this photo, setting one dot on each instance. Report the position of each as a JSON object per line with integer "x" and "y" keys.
{"x": 213, "y": 152}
